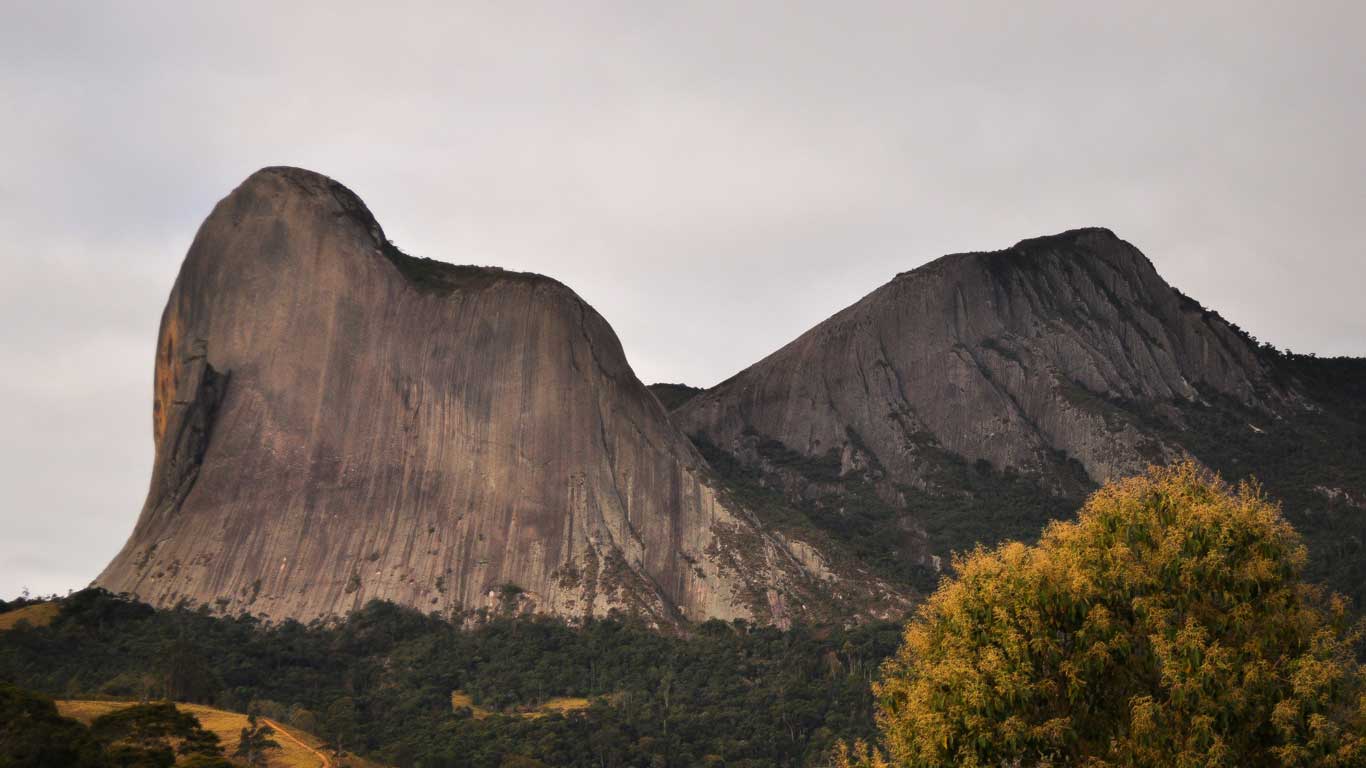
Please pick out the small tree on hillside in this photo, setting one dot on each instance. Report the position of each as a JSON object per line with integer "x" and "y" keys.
{"x": 1167, "y": 626}
{"x": 255, "y": 741}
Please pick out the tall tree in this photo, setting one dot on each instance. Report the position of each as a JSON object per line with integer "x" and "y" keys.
{"x": 1167, "y": 626}
{"x": 340, "y": 722}
{"x": 255, "y": 741}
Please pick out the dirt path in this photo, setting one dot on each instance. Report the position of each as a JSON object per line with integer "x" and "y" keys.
{"x": 280, "y": 729}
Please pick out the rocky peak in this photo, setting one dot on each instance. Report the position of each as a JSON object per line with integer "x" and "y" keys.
{"x": 1020, "y": 358}
{"x": 337, "y": 421}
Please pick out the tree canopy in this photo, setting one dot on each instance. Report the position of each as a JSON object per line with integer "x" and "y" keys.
{"x": 34, "y": 735}
{"x": 146, "y": 736}
{"x": 254, "y": 741}
{"x": 380, "y": 682}
{"x": 1167, "y": 626}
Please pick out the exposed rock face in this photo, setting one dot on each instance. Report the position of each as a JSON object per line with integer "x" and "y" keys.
{"x": 980, "y": 396}
{"x": 336, "y": 422}
{"x": 1023, "y": 358}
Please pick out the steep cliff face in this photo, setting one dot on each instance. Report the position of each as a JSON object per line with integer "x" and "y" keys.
{"x": 980, "y": 395}
{"x": 1020, "y": 358}
{"x": 336, "y": 422}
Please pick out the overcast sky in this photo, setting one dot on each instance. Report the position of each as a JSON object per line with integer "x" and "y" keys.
{"x": 713, "y": 180}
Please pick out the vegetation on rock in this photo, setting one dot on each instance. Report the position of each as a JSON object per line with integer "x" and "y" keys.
{"x": 672, "y": 396}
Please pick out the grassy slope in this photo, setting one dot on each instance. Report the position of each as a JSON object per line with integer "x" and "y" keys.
{"x": 38, "y": 615}
{"x": 297, "y": 748}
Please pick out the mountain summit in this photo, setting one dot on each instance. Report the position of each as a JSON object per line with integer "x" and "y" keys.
{"x": 979, "y": 396}
{"x": 336, "y": 421}
{"x": 1018, "y": 358}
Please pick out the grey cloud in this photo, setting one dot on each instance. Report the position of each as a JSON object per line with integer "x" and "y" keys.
{"x": 713, "y": 178}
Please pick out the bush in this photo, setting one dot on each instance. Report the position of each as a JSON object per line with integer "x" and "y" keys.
{"x": 1167, "y": 626}
{"x": 33, "y": 735}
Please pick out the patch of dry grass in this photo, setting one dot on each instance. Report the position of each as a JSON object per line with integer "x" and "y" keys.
{"x": 297, "y": 749}
{"x": 461, "y": 699}
{"x": 38, "y": 614}
{"x": 563, "y": 705}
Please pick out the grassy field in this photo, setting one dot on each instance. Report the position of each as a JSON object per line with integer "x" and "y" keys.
{"x": 297, "y": 748}
{"x": 461, "y": 699}
{"x": 38, "y": 614}
{"x": 563, "y": 705}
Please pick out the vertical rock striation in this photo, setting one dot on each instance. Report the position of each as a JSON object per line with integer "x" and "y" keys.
{"x": 980, "y": 396}
{"x": 1024, "y": 358}
{"x": 337, "y": 422}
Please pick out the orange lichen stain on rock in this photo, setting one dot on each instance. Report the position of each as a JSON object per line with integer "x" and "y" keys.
{"x": 165, "y": 378}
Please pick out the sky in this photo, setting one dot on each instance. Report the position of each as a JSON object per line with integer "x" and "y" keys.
{"x": 714, "y": 178}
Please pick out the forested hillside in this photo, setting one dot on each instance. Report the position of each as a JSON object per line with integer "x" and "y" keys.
{"x": 380, "y": 683}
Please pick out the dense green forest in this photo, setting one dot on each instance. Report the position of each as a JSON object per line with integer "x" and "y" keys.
{"x": 380, "y": 683}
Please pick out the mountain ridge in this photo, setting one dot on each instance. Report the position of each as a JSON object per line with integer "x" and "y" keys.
{"x": 982, "y": 394}
{"x": 337, "y": 421}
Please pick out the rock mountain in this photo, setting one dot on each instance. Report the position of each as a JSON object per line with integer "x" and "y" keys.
{"x": 336, "y": 421}
{"x": 1015, "y": 358}
{"x": 982, "y": 394}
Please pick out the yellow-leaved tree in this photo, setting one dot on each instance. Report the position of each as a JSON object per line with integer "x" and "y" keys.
{"x": 1167, "y": 626}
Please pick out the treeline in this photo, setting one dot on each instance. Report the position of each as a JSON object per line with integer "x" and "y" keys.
{"x": 34, "y": 735}
{"x": 380, "y": 683}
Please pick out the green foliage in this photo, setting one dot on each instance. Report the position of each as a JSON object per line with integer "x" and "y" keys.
{"x": 441, "y": 278}
{"x": 975, "y": 504}
{"x": 145, "y": 735}
{"x": 851, "y": 515}
{"x": 1168, "y": 626}
{"x": 340, "y": 722}
{"x": 33, "y": 735}
{"x": 509, "y": 595}
{"x": 962, "y": 505}
{"x": 1312, "y": 462}
{"x": 672, "y": 396}
{"x": 304, "y": 719}
{"x": 185, "y": 674}
{"x": 380, "y": 683}
{"x": 204, "y": 761}
{"x": 254, "y": 742}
